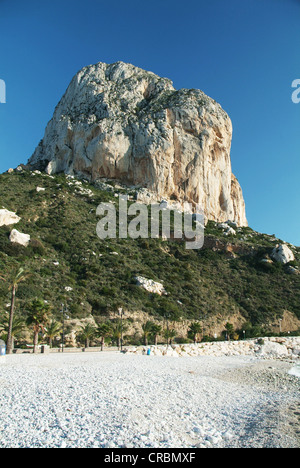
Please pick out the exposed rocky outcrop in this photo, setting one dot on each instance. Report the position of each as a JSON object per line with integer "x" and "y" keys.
{"x": 150, "y": 285}
{"x": 8, "y": 217}
{"x": 119, "y": 121}
{"x": 17, "y": 237}
{"x": 229, "y": 248}
{"x": 283, "y": 254}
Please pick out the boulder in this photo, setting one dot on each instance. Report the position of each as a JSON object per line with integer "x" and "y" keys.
{"x": 8, "y": 217}
{"x": 150, "y": 285}
{"x": 230, "y": 232}
{"x": 282, "y": 254}
{"x": 228, "y": 229}
{"x": 170, "y": 352}
{"x": 17, "y": 237}
{"x": 273, "y": 349}
{"x": 266, "y": 260}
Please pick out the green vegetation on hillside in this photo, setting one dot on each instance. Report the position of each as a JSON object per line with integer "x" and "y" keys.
{"x": 65, "y": 252}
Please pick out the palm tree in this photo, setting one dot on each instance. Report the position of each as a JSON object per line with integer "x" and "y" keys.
{"x": 17, "y": 328}
{"x": 118, "y": 328}
{"x": 156, "y": 330}
{"x": 38, "y": 317}
{"x": 104, "y": 330}
{"x": 3, "y": 326}
{"x": 229, "y": 329}
{"x": 17, "y": 278}
{"x": 170, "y": 335}
{"x": 53, "y": 329}
{"x": 148, "y": 330}
{"x": 87, "y": 333}
{"x": 195, "y": 330}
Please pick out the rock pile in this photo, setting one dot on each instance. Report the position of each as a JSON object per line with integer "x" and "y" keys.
{"x": 273, "y": 348}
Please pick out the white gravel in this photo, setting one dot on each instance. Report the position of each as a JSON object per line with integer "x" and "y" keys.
{"x": 113, "y": 400}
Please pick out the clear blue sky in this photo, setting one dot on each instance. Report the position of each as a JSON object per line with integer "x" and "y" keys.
{"x": 243, "y": 53}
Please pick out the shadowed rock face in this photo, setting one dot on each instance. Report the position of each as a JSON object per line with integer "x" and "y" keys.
{"x": 119, "y": 121}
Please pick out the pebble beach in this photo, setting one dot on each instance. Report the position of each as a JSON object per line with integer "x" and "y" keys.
{"x": 114, "y": 400}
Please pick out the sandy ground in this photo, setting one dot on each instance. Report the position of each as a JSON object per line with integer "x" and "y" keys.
{"x": 113, "y": 400}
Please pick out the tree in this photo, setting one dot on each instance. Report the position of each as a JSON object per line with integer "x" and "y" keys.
{"x": 17, "y": 328}
{"x": 53, "y": 329}
{"x": 119, "y": 327}
{"x": 87, "y": 333}
{"x": 195, "y": 330}
{"x": 38, "y": 317}
{"x": 168, "y": 309}
{"x": 104, "y": 330}
{"x": 170, "y": 335}
{"x": 17, "y": 278}
{"x": 156, "y": 330}
{"x": 229, "y": 329}
{"x": 148, "y": 330}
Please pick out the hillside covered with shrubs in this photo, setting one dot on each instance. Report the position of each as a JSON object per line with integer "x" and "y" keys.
{"x": 67, "y": 263}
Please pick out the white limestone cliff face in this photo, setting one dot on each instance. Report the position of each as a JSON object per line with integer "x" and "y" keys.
{"x": 119, "y": 121}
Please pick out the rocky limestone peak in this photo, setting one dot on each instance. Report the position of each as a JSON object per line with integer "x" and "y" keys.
{"x": 121, "y": 122}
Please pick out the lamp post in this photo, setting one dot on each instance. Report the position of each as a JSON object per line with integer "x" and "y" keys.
{"x": 166, "y": 317}
{"x": 121, "y": 314}
{"x": 64, "y": 315}
{"x": 203, "y": 319}
{"x": 63, "y": 329}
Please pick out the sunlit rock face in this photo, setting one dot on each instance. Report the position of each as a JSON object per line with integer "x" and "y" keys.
{"x": 8, "y": 217}
{"x": 119, "y": 121}
{"x": 17, "y": 237}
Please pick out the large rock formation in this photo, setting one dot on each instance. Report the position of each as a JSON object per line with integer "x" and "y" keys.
{"x": 8, "y": 217}
{"x": 119, "y": 121}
